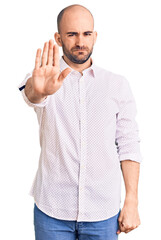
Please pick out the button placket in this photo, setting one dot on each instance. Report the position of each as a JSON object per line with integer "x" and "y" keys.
{"x": 82, "y": 148}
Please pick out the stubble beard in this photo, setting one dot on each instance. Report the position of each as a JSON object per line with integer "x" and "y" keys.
{"x": 74, "y": 58}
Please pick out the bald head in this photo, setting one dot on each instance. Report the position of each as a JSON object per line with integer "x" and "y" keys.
{"x": 75, "y": 8}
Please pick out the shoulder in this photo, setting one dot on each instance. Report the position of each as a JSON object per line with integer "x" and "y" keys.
{"x": 110, "y": 76}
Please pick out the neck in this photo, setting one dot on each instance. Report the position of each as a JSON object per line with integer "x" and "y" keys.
{"x": 78, "y": 67}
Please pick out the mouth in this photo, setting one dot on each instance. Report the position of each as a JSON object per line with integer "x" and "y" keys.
{"x": 80, "y": 50}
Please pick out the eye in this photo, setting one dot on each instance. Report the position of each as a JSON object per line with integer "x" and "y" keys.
{"x": 71, "y": 34}
{"x": 88, "y": 34}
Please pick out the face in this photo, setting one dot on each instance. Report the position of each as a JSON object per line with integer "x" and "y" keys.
{"x": 77, "y": 54}
{"x": 76, "y": 37}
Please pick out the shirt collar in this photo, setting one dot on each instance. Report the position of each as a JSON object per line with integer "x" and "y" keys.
{"x": 91, "y": 69}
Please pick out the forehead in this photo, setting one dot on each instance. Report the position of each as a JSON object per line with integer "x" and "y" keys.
{"x": 77, "y": 19}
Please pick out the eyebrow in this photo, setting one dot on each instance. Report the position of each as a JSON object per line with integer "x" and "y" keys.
{"x": 77, "y": 32}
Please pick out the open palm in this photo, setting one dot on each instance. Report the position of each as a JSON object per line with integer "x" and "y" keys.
{"x": 46, "y": 76}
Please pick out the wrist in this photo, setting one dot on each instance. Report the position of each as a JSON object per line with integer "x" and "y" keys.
{"x": 32, "y": 95}
{"x": 131, "y": 199}
{"x": 37, "y": 97}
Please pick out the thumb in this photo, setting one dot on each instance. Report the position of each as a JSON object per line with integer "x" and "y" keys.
{"x": 119, "y": 223}
{"x": 119, "y": 228}
{"x": 64, "y": 74}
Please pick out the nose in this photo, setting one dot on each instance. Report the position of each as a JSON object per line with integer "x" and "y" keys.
{"x": 80, "y": 41}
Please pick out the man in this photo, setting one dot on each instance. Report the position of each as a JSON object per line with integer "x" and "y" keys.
{"x": 88, "y": 134}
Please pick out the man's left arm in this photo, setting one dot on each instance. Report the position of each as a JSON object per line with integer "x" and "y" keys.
{"x": 129, "y": 217}
{"x": 127, "y": 142}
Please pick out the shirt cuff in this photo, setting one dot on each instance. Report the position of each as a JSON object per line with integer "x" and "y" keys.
{"x": 131, "y": 156}
{"x": 41, "y": 104}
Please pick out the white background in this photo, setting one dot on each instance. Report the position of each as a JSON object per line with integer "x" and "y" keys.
{"x": 129, "y": 43}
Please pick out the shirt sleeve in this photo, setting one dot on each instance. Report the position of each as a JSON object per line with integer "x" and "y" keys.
{"x": 21, "y": 87}
{"x": 127, "y": 132}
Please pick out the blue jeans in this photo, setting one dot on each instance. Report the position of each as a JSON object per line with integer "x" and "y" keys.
{"x": 49, "y": 228}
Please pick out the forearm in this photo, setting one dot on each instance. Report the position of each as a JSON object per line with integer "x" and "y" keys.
{"x": 130, "y": 171}
{"x": 129, "y": 217}
{"x": 31, "y": 94}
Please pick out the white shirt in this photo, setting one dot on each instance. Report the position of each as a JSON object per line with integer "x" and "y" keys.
{"x": 86, "y": 128}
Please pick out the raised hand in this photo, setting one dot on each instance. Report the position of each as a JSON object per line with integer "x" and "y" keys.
{"x": 46, "y": 77}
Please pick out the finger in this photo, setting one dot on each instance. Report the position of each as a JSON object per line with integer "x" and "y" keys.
{"x": 126, "y": 229}
{"x": 64, "y": 74}
{"x": 56, "y": 55}
{"x": 38, "y": 58}
{"x": 50, "y": 53}
{"x": 119, "y": 223}
{"x": 44, "y": 55}
{"x": 129, "y": 230}
{"x": 122, "y": 228}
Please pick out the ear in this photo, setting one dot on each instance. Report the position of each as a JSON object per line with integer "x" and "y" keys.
{"x": 95, "y": 36}
{"x": 58, "y": 39}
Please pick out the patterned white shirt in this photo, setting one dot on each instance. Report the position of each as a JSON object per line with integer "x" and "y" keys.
{"x": 86, "y": 128}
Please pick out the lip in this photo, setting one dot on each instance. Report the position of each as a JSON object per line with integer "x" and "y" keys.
{"x": 78, "y": 50}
